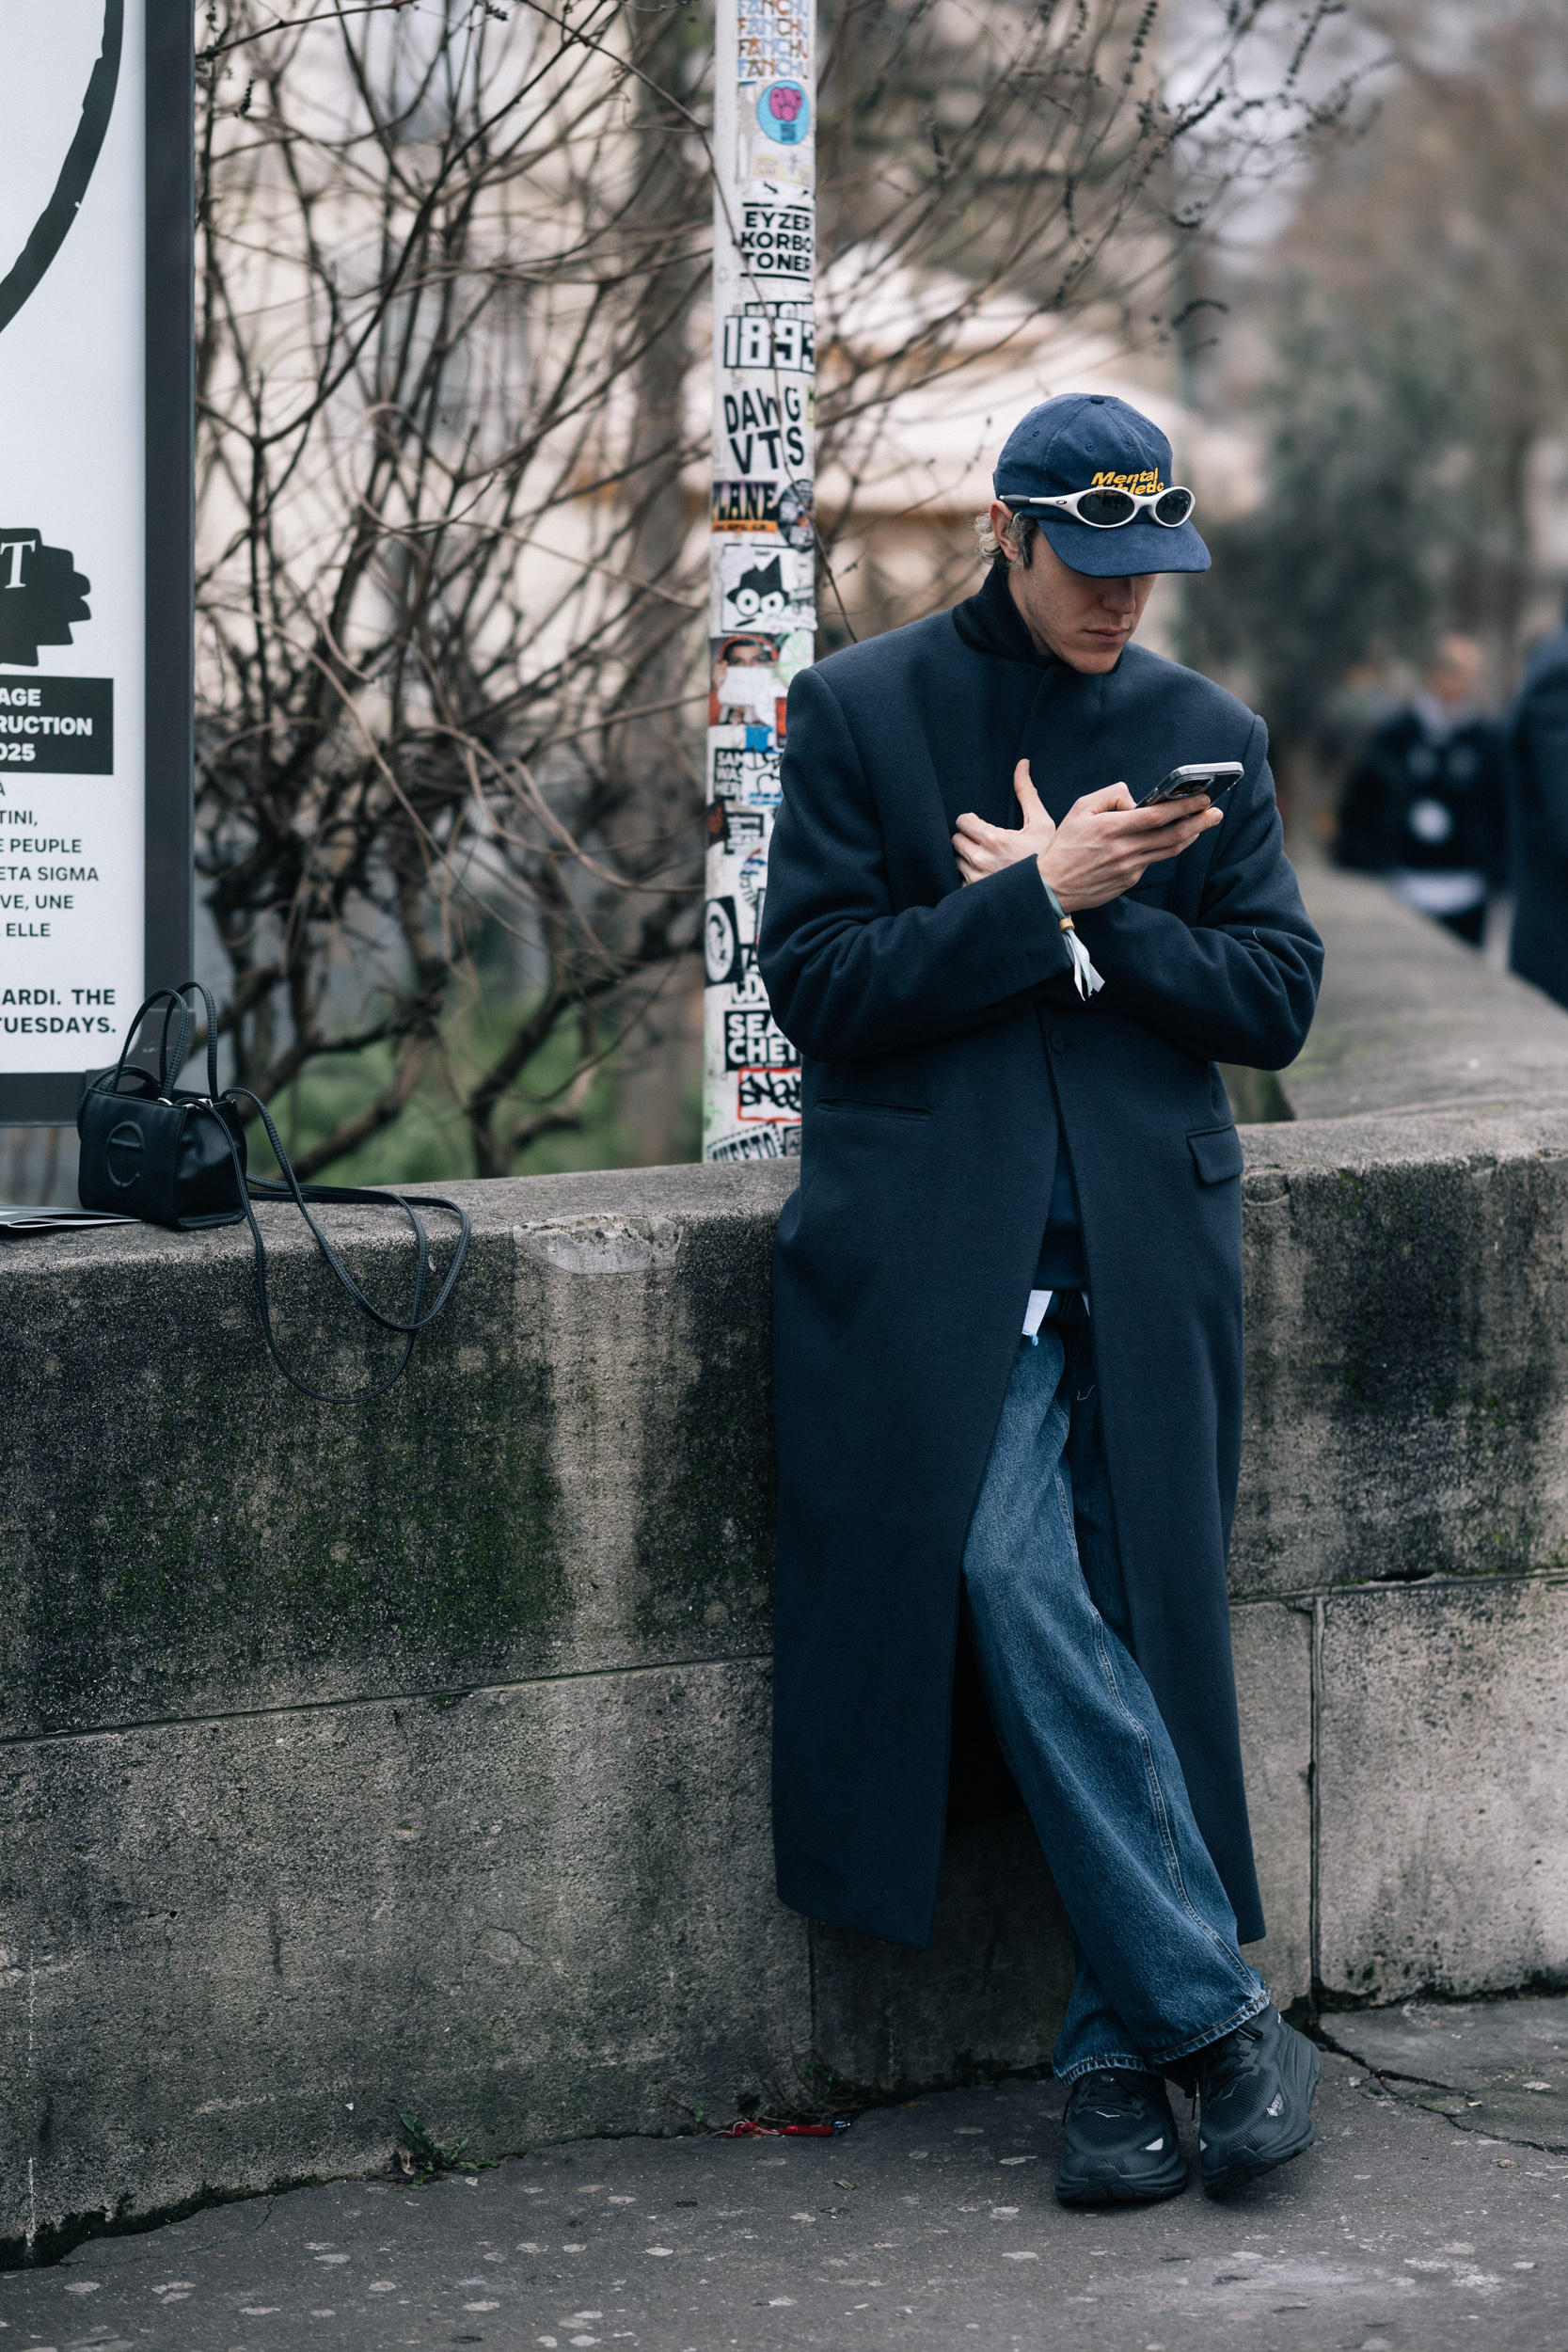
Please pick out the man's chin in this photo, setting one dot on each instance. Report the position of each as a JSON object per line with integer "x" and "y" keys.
{"x": 1094, "y": 660}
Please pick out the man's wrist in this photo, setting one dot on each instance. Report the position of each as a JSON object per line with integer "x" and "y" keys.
{"x": 1057, "y": 909}
{"x": 1062, "y": 919}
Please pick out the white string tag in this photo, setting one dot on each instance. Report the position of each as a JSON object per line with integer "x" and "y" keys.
{"x": 1086, "y": 979}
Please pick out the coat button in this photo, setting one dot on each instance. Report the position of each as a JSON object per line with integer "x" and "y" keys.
{"x": 1059, "y": 1043}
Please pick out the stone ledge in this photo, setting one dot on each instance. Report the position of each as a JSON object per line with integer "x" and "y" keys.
{"x": 1411, "y": 1021}
{"x": 575, "y": 1475}
{"x": 254, "y": 1857}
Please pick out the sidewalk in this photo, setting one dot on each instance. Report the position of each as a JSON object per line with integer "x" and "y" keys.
{"x": 1431, "y": 2214}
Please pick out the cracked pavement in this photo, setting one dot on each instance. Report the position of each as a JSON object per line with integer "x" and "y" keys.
{"x": 1430, "y": 2215}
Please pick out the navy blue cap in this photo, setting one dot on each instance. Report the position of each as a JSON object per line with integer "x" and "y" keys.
{"x": 1074, "y": 441}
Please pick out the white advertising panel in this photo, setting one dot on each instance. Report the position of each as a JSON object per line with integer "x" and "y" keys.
{"x": 91, "y": 604}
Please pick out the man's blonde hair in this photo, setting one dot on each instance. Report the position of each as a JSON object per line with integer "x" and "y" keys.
{"x": 1017, "y": 540}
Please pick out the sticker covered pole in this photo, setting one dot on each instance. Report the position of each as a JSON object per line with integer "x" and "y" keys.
{"x": 762, "y": 573}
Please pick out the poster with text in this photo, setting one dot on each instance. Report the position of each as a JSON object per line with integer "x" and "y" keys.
{"x": 74, "y": 550}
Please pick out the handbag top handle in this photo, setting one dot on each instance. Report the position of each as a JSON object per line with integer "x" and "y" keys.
{"x": 173, "y": 1000}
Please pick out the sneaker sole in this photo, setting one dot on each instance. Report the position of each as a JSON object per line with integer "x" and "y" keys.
{"x": 1238, "y": 2175}
{"x": 1151, "y": 2188}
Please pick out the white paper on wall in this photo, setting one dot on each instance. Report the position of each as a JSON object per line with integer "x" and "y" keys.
{"x": 72, "y": 533}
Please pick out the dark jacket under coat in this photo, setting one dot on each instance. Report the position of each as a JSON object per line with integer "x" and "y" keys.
{"x": 1538, "y": 827}
{"x": 943, "y": 1044}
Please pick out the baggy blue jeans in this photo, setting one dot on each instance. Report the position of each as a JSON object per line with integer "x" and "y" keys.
{"x": 1159, "y": 1973}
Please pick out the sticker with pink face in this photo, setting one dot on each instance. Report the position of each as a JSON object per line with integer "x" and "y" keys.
{"x": 783, "y": 113}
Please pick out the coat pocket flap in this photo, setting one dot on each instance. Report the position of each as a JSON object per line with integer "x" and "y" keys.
{"x": 878, "y": 1110}
{"x": 1217, "y": 1153}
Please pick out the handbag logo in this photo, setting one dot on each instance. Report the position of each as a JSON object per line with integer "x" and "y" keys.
{"x": 127, "y": 1140}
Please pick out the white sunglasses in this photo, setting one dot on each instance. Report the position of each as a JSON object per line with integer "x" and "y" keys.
{"x": 1104, "y": 508}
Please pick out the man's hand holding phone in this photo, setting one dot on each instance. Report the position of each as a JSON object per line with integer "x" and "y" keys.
{"x": 1102, "y": 846}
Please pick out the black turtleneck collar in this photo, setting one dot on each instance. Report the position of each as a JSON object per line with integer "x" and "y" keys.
{"x": 991, "y": 623}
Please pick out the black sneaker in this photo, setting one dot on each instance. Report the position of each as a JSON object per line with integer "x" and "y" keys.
{"x": 1256, "y": 2089}
{"x": 1121, "y": 2143}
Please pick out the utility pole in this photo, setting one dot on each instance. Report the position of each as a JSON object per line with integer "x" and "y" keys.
{"x": 762, "y": 566}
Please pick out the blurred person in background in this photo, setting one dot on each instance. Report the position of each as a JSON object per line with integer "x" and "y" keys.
{"x": 1425, "y": 806}
{"x": 1539, "y": 950}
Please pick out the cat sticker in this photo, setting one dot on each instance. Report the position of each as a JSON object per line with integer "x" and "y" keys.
{"x": 765, "y": 585}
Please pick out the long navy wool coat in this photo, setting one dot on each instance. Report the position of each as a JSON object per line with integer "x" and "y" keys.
{"x": 1538, "y": 947}
{"x": 944, "y": 1052}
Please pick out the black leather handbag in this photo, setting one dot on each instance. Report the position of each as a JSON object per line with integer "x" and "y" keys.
{"x": 179, "y": 1159}
{"x": 149, "y": 1150}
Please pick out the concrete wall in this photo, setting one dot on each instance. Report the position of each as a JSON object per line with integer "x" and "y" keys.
{"x": 413, "y": 1756}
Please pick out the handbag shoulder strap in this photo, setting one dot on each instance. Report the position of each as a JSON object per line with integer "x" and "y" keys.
{"x": 302, "y": 1194}
{"x": 347, "y": 1195}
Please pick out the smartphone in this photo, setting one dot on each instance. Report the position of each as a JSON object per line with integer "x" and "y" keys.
{"x": 1213, "y": 776}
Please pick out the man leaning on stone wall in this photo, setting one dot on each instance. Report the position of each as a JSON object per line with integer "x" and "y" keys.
{"x": 1008, "y": 1290}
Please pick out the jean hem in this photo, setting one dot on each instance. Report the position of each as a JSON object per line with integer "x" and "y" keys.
{"x": 1115, "y": 2062}
{"x": 1254, "y": 2008}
